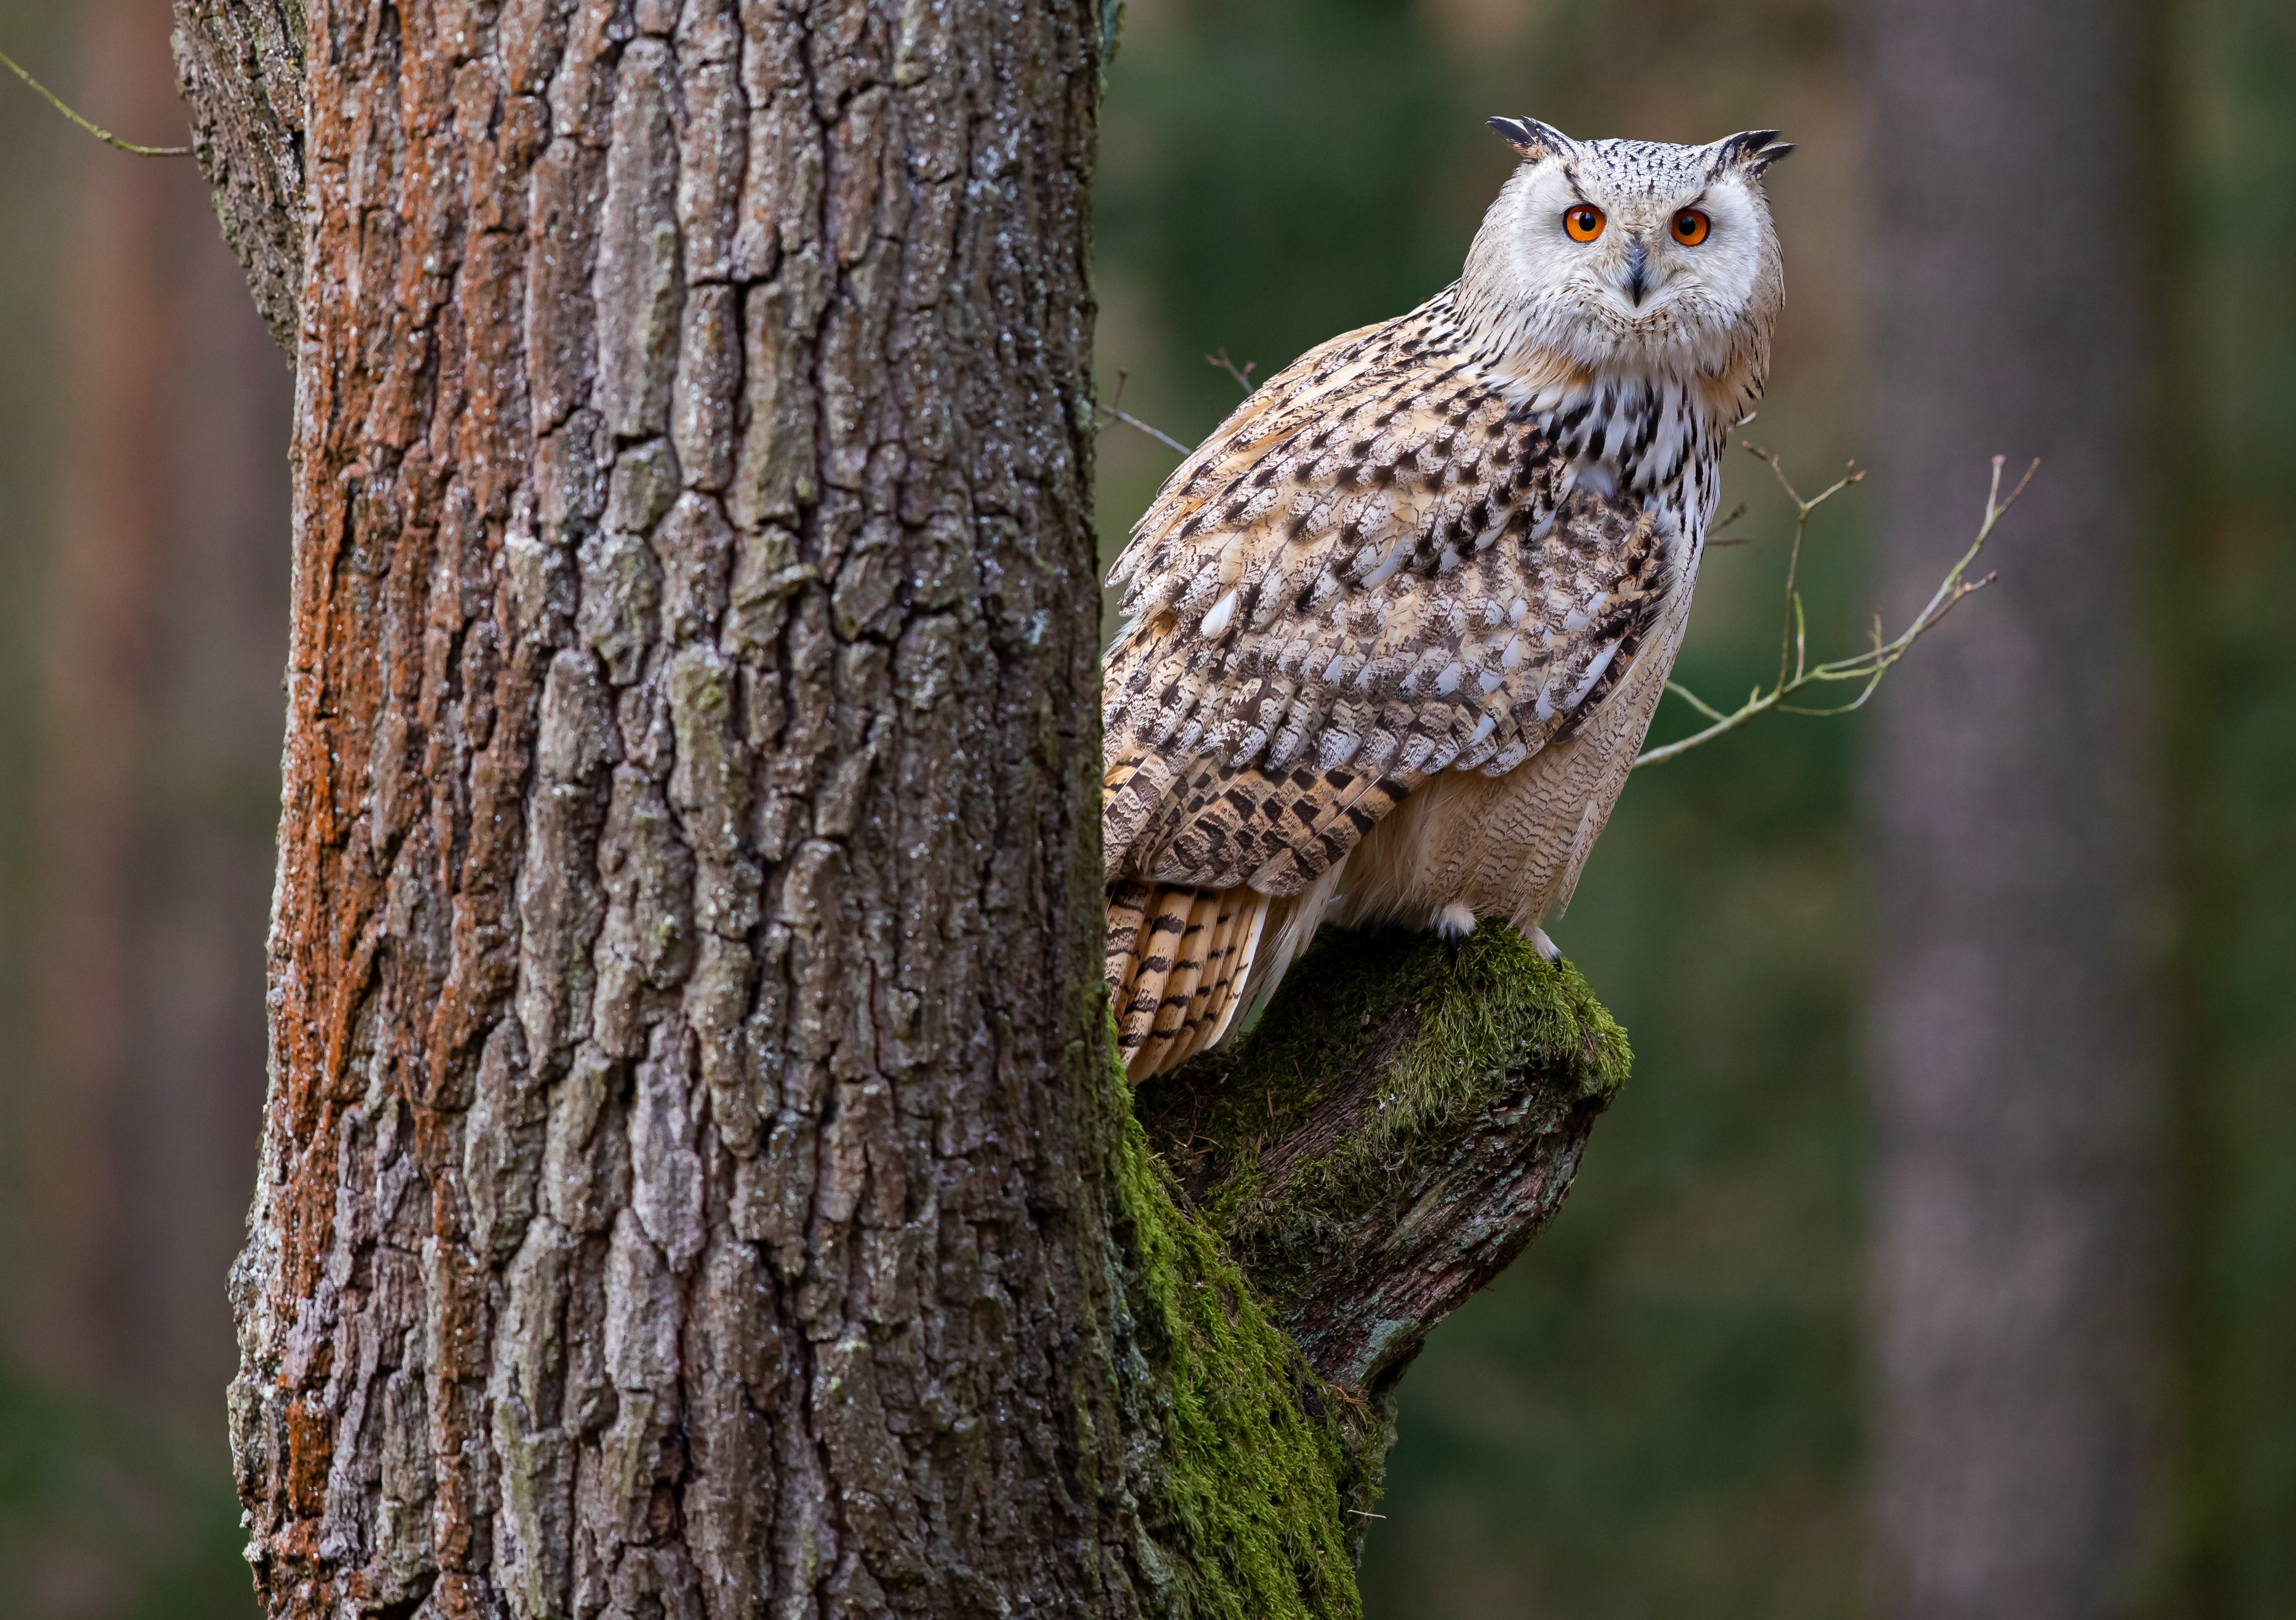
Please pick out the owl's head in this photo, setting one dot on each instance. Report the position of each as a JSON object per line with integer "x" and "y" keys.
{"x": 1631, "y": 256}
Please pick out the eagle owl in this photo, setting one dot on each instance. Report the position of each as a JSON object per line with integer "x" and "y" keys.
{"x": 1395, "y": 631}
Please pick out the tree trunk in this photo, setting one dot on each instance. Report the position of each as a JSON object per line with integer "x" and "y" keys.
{"x": 2019, "y": 1076}
{"x": 695, "y": 1179}
{"x": 669, "y": 1199}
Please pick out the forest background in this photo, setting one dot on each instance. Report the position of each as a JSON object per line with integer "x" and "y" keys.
{"x": 1660, "y": 1409}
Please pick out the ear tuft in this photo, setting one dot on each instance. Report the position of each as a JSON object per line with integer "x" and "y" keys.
{"x": 1752, "y": 152}
{"x": 1532, "y": 138}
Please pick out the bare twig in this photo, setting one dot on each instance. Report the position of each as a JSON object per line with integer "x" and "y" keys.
{"x": 1791, "y": 640}
{"x": 1241, "y": 373}
{"x": 1156, "y": 433}
{"x": 1133, "y": 422}
{"x": 1865, "y": 670}
{"x": 1116, "y": 413}
{"x": 1713, "y": 535}
{"x": 105, "y": 136}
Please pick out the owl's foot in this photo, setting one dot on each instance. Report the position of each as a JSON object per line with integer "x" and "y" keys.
{"x": 1454, "y": 921}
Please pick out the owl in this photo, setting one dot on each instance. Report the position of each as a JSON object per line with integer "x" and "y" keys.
{"x": 1395, "y": 631}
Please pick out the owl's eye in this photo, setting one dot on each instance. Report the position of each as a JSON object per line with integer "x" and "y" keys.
{"x": 1584, "y": 222}
{"x": 1691, "y": 226}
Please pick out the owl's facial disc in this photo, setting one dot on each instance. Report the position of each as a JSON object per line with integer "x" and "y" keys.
{"x": 1631, "y": 255}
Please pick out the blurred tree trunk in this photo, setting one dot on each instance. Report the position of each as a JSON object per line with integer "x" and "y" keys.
{"x": 98, "y": 690}
{"x": 164, "y": 636}
{"x": 2228, "y": 578}
{"x": 2019, "y": 1082}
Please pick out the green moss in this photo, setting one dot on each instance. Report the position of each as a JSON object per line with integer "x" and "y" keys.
{"x": 1255, "y": 1500}
{"x": 1255, "y": 1507}
{"x": 1432, "y": 1031}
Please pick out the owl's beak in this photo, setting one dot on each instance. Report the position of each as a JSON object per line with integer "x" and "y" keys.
{"x": 1637, "y": 285}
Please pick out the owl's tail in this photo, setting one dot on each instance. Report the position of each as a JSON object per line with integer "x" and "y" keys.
{"x": 1179, "y": 962}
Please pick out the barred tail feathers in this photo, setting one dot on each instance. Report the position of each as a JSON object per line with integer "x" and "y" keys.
{"x": 1185, "y": 966}
{"x": 1177, "y": 961}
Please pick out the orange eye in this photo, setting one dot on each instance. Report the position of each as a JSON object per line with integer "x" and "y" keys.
{"x": 1690, "y": 227}
{"x": 1584, "y": 222}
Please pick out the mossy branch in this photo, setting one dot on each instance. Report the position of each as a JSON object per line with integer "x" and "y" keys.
{"x": 1296, "y": 1214}
{"x": 1256, "y": 1478}
{"x": 1408, "y": 1114}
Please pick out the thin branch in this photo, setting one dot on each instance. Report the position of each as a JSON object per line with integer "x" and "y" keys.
{"x": 105, "y": 136}
{"x": 1156, "y": 433}
{"x": 1792, "y": 639}
{"x": 1697, "y": 702}
{"x": 1133, "y": 422}
{"x": 1863, "y": 670}
{"x": 1116, "y": 413}
{"x": 1241, "y": 373}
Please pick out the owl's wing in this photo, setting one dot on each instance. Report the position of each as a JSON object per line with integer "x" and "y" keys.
{"x": 1371, "y": 573}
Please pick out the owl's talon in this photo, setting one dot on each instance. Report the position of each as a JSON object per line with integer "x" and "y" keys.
{"x": 1547, "y": 948}
{"x": 1454, "y": 921}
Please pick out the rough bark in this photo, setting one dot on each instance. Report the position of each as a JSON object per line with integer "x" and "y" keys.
{"x": 682, "y": 953}
{"x": 241, "y": 63}
{"x": 2018, "y": 1076}
{"x": 694, "y": 1178}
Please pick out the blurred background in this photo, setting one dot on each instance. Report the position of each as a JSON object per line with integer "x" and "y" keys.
{"x": 1940, "y": 1256}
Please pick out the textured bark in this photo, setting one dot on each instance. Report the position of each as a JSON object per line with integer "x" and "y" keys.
{"x": 682, "y": 954}
{"x": 241, "y": 63}
{"x": 2019, "y": 1079}
{"x": 695, "y": 1179}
